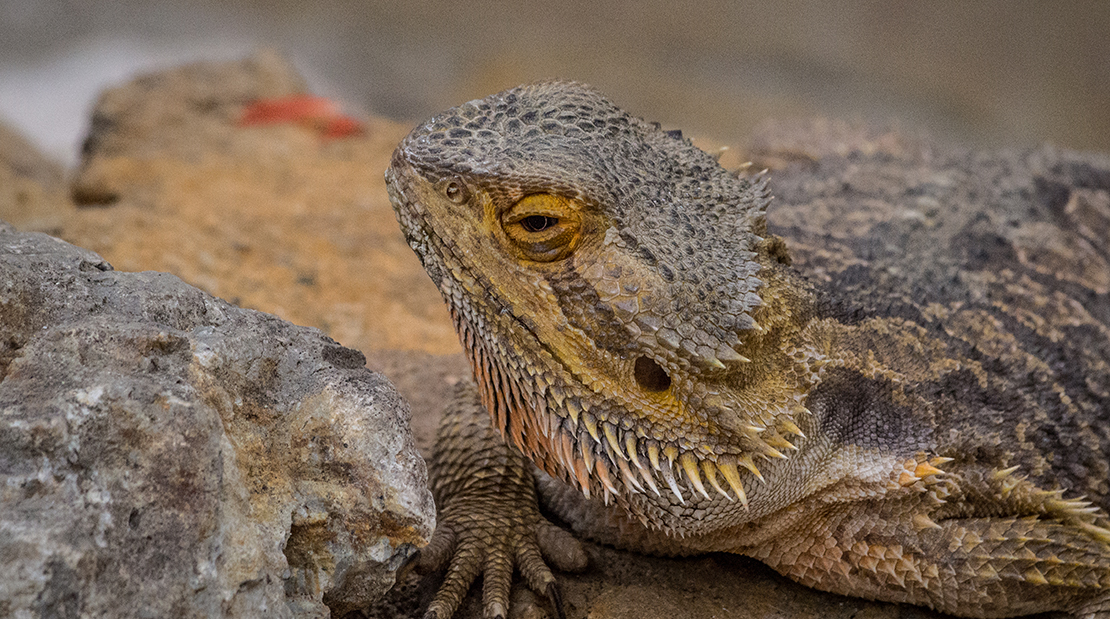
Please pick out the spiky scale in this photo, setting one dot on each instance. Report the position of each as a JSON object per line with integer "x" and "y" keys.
{"x": 591, "y": 427}
{"x": 727, "y": 466}
{"x": 631, "y": 448}
{"x": 1099, "y": 533}
{"x": 633, "y": 455}
{"x": 668, "y": 477}
{"x": 611, "y": 438}
{"x": 583, "y": 477}
{"x": 653, "y": 455}
{"x": 573, "y": 413}
{"x": 791, "y": 427}
{"x": 649, "y": 479}
{"x": 689, "y": 463}
{"x": 770, "y": 451}
{"x": 601, "y": 470}
{"x": 671, "y": 452}
{"x": 906, "y": 478}
{"x": 747, "y": 462}
{"x": 1004, "y": 473}
{"x": 586, "y": 448}
{"x": 710, "y": 471}
{"x": 1035, "y": 576}
{"x": 726, "y": 353}
{"x": 923, "y": 521}
{"x": 776, "y": 440}
{"x": 626, "y": 474}
{"x": 566, "y": 449}
{"x": 925, "y": 469}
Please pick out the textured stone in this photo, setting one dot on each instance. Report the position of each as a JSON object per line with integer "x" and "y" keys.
{"x": 165, "y": 453}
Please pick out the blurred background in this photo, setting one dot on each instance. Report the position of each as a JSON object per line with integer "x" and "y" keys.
{"x": 1009, "y": 73}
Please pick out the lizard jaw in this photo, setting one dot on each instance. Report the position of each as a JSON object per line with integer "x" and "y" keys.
{"x": 601, "y": 458}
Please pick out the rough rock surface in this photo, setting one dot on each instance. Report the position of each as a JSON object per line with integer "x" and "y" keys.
{"x": 165, "y": 453}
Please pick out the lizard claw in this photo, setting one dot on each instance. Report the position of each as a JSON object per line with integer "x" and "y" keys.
{"x": 495, "y": 547}
{"x": 556, "y": 600}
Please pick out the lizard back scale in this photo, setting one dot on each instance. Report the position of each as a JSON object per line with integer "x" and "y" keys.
{"x": 900, "y": 428}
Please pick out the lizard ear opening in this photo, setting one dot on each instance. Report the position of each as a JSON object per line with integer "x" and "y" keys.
{"x": 650, "y": 376}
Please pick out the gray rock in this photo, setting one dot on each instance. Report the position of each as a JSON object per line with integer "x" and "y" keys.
{"x": 164, "y": 453}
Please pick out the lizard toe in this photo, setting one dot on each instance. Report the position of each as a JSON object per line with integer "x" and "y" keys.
{"x": 463, "y": 570}
{"x": 539, "y": 576}
{"x": 497, "y": 580}
{"x": 560, "y": 548}
{"x": 434, "y": 556}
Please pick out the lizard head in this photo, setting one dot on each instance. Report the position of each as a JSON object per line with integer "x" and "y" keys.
{"x": 612, "y": 286}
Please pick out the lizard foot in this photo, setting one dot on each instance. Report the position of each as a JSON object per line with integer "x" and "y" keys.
{"x": 489, "y": 518}
{"x": 494, "y": 549}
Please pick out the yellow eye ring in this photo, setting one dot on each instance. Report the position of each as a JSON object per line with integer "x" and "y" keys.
{"x": 543, "y": 227}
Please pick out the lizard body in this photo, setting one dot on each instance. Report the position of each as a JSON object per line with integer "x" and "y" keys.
{"x": 917, "y": 410}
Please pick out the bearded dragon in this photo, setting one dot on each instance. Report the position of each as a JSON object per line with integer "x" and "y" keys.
{"x": 918, "y": 412}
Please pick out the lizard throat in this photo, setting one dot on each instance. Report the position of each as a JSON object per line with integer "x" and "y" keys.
{"x": 600, "y": 458}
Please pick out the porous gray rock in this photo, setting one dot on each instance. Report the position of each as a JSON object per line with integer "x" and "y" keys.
{"x": 164, "y": 453}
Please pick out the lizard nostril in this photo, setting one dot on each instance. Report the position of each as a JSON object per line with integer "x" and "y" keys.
{"x": 650, "y": 376}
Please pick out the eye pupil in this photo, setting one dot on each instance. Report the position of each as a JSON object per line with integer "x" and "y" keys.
{"x": 452, "y": 190}
{"x": 538, "y": 223}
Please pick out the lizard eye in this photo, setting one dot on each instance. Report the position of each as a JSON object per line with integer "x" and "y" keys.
{"x": 543, "y": 227}
{"x": 538, "y": 223}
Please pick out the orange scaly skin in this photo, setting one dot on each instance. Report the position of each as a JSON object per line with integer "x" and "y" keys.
{"x": 909, "y": 413}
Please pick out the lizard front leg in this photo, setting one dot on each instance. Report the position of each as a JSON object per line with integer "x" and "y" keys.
{"x": 921, "y": 551}
{"x": 488, "y": 517}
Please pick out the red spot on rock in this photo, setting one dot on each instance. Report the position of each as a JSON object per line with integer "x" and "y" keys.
{"x": 317, "y": 113}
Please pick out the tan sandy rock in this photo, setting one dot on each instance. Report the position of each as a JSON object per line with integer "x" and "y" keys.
{"x": 273, "y": 217}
